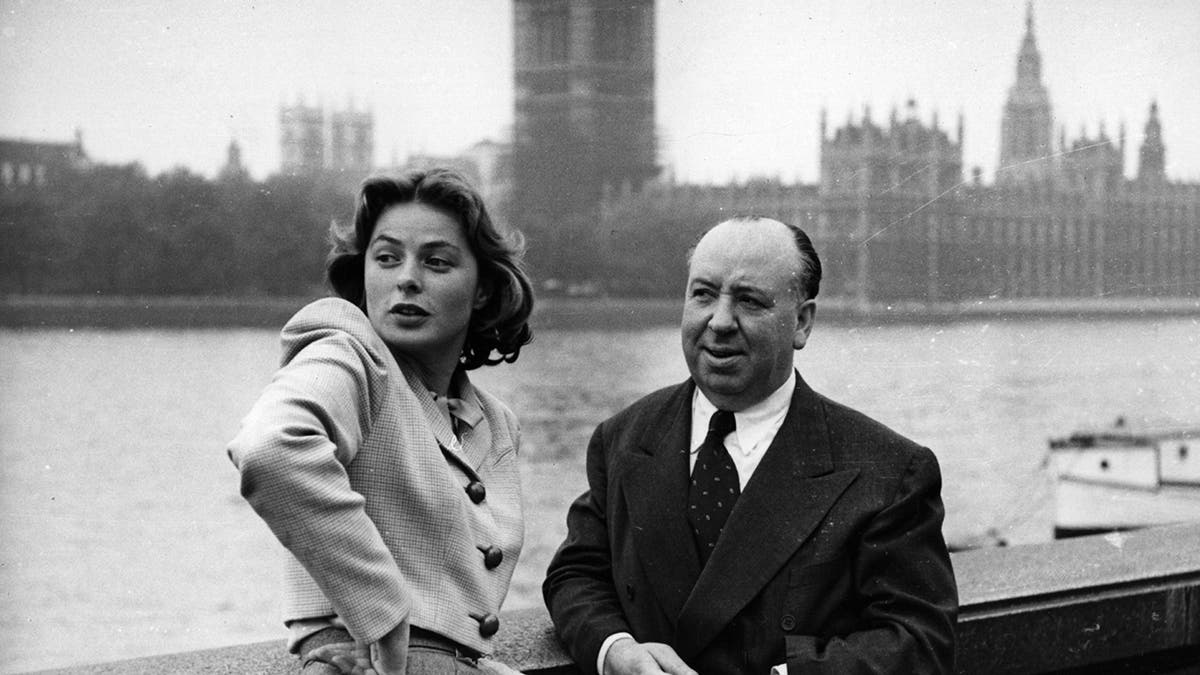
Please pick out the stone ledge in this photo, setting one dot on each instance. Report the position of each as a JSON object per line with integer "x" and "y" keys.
{"x": 1125, "y": 603}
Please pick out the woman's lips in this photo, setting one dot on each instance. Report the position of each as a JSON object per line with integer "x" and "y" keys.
{"x": 406, "y": 309}
{"x": 409, "y": 315}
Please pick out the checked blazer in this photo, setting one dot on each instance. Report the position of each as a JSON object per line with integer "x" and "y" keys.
{"x": 832, "y": 560}
{"x": 339, "y": 458}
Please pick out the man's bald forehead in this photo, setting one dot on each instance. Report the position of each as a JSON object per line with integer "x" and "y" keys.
{"x": 741, "y": 229}
{"x": 807, "y": 264}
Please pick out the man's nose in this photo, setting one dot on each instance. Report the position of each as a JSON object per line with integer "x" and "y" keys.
{"x": 723, "y": 319}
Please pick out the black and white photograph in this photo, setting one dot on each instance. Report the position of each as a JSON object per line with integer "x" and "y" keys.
{"x": 599, "y": 336}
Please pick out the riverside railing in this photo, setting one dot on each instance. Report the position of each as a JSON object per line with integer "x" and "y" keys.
{"x": 1122, "y": 602}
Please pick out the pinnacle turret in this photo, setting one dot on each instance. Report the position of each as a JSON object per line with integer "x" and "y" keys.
{"x": 1153, "y": 154}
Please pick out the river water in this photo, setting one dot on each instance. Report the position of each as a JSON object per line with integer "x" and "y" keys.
{"x": 124, "y": 535}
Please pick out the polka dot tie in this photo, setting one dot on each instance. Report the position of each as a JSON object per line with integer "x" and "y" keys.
{"x": 714, "y": 487}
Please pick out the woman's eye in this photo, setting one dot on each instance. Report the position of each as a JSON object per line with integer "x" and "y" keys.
{"x": 385, "y": 258}
{"x": 437, "y": 263}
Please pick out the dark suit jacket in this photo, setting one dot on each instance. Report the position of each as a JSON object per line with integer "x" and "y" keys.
{"x": 832, "y": 561}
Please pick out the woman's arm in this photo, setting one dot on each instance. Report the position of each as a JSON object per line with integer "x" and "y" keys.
{"x": 292, "y": 452}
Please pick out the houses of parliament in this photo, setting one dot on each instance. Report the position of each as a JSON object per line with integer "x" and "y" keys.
{"x": 894, "y": 216}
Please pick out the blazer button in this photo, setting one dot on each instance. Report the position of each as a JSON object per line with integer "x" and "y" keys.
{"x": 492, "y": 557}
{"x": 488, "y": 624}
{"x": 476, "y": 491}
{"x": 788, "y": 622}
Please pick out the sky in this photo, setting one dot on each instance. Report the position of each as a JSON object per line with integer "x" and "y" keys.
{"x": 739, "y": 91}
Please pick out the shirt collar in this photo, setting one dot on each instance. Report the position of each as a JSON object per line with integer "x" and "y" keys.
{"x": 755, "y": 424}
{"x": 463, "y": 401}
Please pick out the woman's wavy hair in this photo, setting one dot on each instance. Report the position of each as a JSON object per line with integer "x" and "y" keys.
{"x": 501, "y": 325}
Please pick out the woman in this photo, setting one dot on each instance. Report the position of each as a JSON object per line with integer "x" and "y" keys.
{"x": 389, "y": 477}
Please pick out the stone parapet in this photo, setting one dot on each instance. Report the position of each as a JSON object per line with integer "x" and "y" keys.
{"x": 1122, "y": 602}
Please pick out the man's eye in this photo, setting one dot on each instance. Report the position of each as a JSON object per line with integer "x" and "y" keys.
{"x": 756, "y": 303}
{"x": 702, "y": 293}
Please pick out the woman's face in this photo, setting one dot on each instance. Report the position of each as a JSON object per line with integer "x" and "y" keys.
{"x": 421, "y": 283}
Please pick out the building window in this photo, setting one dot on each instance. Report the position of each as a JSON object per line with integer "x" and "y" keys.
{"x": 7, "y": 172}
{"x": 24, "y": 174}
{"x": 616, "y": 35}
{"x": 548, "y": 82}
{"x": 39, "y": 175}
{"x": 550, "y": 27}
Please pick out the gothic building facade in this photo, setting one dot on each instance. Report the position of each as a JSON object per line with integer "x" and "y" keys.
{"x": 315, "y": 141}
{"x": 896, "y": 222}
{"x": 883, "y": 199}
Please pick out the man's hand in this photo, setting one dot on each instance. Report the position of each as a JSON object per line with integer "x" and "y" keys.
{"x": 630, "y": 657}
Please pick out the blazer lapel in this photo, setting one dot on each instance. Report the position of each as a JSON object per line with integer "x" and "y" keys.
{"x": 787, "y": 498}
{"x": 656, "y": 483}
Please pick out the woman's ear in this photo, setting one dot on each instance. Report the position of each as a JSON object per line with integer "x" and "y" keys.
{"x": 483, "y": 293}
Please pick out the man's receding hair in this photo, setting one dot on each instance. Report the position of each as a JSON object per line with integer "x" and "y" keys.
{"x": 809, "y": 278}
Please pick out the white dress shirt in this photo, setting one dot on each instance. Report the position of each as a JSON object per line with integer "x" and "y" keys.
{"x": 756, "y": 429}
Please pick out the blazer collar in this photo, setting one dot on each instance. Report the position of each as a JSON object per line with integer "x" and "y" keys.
{"x": 472, "y": 454}
{"x": 786, "y": 499}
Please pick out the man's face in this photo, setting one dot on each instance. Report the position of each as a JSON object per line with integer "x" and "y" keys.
{"x": 742, "y": 314}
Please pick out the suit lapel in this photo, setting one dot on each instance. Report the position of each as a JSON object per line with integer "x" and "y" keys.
{"x": 787, "y": 498}
{"x": 656, "y": 480}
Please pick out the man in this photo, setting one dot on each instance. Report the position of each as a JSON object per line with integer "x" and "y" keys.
{"x": 795, "y": 534}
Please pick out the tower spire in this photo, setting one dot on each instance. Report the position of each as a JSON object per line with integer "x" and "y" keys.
{"x": 1027, "y": 125}
{"x": 1029, "y": 61}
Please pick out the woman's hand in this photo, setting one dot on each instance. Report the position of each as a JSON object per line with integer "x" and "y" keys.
{"x": 388, "y": 656}
{"x": 347, "y": 658}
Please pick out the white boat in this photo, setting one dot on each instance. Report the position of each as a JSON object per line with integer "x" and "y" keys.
{"x": 1124, "y": 478}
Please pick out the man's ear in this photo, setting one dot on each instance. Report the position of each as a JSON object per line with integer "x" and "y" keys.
{"x": 806, "y": 314}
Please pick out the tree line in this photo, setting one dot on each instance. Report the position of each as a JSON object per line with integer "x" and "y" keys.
{"x": 116, "y": 230}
